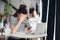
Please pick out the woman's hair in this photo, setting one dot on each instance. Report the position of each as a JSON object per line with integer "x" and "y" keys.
{"x": 31, "y": 10}
{"x": 22, "y": 10}
{"x": 22, "y": 6}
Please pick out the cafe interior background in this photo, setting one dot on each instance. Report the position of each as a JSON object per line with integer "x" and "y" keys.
{"x": 42, "y": 7}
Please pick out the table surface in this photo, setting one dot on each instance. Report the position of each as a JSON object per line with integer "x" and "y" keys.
{"x": 24, "y": 35}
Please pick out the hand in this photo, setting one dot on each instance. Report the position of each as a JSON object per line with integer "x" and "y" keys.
{"x": 23, "y": 17}
{"x": 28, "y": 30}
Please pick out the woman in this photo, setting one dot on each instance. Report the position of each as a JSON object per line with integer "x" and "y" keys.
{"x": 18, "y": 21}
{"x": 33, "y": 19}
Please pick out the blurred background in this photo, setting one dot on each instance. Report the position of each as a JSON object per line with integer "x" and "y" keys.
{"x": 15, "y": 4}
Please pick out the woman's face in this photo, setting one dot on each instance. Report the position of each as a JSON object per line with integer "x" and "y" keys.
{"x": 22, "y": 15}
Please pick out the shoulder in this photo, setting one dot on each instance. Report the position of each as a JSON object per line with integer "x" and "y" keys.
{"x": 13, "y": 21}
{"x": 12, "y": 18}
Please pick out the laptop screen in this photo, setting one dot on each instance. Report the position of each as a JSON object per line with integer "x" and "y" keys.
{"x": 41, "y": 28}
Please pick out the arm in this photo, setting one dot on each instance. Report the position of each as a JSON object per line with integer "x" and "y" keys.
{"x": 16, "y": 26}
{"x": 27, "y": 26}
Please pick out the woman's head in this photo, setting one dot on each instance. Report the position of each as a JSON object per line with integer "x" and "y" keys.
{"x": 31, "y": 11}
{"x": 21, "y": 10}
{"x": 22, "y": 6}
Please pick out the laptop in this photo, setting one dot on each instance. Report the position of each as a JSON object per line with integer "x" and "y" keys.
{"x": 41, "y": 28}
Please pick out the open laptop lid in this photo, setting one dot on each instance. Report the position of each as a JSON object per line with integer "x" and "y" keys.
{"x": 41, "y": 28}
